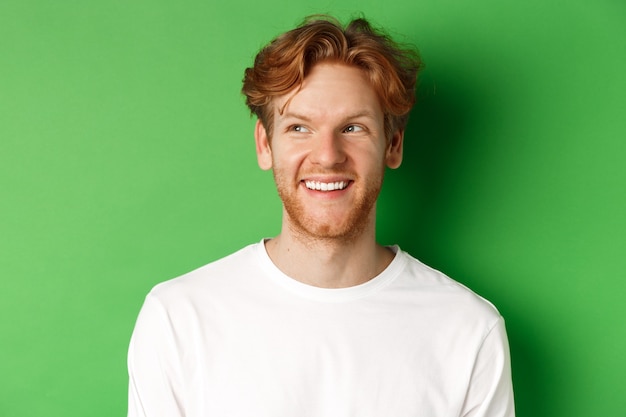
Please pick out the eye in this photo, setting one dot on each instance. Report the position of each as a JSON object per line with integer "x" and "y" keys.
{"x": 298, "y": 128}
{"x": 353, "y": 129}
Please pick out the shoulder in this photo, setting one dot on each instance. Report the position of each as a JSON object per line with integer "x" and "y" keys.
{"x": 451, "y": 300}
{"x": 178, "y": 308}
{"x": 225, "y": 274}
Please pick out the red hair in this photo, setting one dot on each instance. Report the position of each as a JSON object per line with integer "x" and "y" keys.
{"x": 285, "y": 62}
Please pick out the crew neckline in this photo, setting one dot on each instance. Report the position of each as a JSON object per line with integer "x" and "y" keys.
{"x": 336, "y": 295}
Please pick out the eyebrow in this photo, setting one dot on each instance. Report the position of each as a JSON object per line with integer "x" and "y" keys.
{"x": 292, "y": 115}
{"x": 299, "y": 116}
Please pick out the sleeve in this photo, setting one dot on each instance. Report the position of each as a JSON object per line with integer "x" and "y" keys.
{"x": 490, "y": 392}
{"x": 155, "y": 383}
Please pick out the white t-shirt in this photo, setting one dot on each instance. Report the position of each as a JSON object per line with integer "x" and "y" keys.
{"x": 239, "y": 338}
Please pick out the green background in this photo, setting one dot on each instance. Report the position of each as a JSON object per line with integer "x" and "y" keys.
{"x": 127, "y": 158}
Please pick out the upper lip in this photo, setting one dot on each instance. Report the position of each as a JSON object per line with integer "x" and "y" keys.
{"x": 327, "y": 179}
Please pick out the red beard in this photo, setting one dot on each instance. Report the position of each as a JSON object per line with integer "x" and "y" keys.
{"x": 351, "y": 222}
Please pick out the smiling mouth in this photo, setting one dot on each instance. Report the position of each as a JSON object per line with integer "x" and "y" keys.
{"x": 326, "y": 186}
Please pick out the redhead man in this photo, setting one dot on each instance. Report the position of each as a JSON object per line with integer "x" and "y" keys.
{"x": 321, "y": 320}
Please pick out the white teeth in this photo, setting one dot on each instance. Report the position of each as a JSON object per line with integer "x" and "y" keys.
{"x": 326, "y": 186}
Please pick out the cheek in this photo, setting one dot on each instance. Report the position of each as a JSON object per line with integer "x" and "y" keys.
{"x": 373, "y": 159}
{"x": 288, "y": 159}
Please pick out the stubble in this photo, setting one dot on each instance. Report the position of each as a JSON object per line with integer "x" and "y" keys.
{"x": 308, "y": 226}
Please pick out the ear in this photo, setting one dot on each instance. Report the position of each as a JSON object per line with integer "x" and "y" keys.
{"x": 393, "y": 157}
{"x": 263, "y": 149}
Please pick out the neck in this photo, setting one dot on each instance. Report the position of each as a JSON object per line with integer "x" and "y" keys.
{"x": 329, "y": 263}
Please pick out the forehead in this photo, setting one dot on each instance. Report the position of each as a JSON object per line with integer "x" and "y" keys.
{"x": 331, "y": 90}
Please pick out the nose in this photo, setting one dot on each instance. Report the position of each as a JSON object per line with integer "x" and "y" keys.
{"x": 328, "y": 150}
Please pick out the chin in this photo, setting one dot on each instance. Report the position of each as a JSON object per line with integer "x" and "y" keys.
{"x": 340, "y": 224}
{"x": 343, "y": 231}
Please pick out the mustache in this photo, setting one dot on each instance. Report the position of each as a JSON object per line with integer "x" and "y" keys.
{"x": 329, "y": 172}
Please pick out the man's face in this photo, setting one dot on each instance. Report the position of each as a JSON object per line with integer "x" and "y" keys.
{"x": 329, "y": 152}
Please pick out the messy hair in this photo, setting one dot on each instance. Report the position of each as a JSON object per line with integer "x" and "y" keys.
{"x": 284, "y": 63}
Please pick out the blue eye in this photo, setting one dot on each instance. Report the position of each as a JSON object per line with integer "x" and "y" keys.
{"x": 353, "y": 129}
{"x": 299, "y": 128}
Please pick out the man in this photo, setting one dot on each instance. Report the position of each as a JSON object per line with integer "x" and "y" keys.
{"x": 321, "y": 320}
